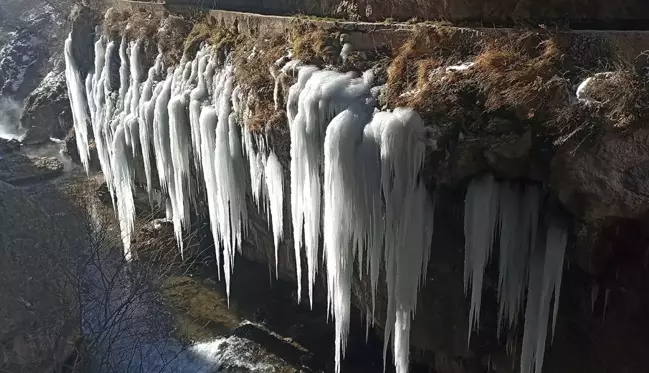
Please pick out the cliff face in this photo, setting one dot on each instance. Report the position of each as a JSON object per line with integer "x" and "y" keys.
{"x": 518, "y": 106}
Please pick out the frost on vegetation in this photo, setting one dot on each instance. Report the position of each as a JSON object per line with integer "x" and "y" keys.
{"x": 531, "y": 249}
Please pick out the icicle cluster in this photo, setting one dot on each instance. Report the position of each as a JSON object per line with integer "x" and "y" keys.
{"x": 366, "y": 156}
{"x": 531, "y": 250}
{"x": 355, "y": 171}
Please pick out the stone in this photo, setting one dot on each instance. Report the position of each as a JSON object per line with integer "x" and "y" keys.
{"x": 47, "y": 111}
{"x": 606, "y": 179}
{"x": 17, "y": 168}
{"x": 8, "y": 146}
{"x": 39, "y": 319}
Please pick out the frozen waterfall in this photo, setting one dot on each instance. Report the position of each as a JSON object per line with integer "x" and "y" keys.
{"x": 355, "y": 185}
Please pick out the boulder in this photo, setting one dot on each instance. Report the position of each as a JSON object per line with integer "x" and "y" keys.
{"x": 39, "y": 318}
{"x": 17, "y": 168}
{"x": 606, "y": 179}
{"x": 8, "y": 146}
{"x": 47, "y": 111}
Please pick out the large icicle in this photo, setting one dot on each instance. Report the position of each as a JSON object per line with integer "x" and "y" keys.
{"x": 78, "y": 103}
{"x": 546, "y": 269}
{"x": 518, "y": 222}
{"x": 230, "y": 179}
{"x": 322, "y": 95}
{"x": 180, "y": 145}
{"x": 408, "y": 218}
{"x": 122, "y": 164}
{"x": 275, "y": 186}
{"x": 480, "y": 217}
{"x": 208, "y": 121}
{"x": 341, "y": 207}
{"x": 197, "y": 97}
{"x": 146, "y": 115}
{"x": 161, "y": 135}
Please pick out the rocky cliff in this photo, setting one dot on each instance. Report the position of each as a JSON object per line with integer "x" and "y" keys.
{"x": 40, "y": 317}
{"x": 535, "y": 108}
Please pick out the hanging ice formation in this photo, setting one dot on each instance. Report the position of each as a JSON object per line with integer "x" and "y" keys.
{"x": 531, "y": 251}
{"x": 365, "y": 156}
{"x": 77, "y": 102}
{"x": 356, "y": 166}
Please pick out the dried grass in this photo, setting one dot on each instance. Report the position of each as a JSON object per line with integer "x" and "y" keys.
{"x": 624, "y": 97}
{"x": 523, "y": 74}
{"x": 208, "y": 30}
{"x": 254, "y": 57}
{"x": 115, "y": 23}
{"x": 315, "y": 45}
{"x": 171, "y": 38}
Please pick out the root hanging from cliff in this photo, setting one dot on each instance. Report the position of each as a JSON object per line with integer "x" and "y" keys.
{"x": 532, "y": 247}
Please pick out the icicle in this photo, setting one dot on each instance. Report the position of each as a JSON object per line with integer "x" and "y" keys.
{"x": 161, "y": 135}
{"x": 123, "y": 76}
{"x": 518, "y": 221}
{"x": 408, "y": 217}
{"x": 275, "y": 186}
{"x": 180, "y": 145}
{"x": 340, "y": 207}
{"x": 146, "y": 115}
{"x": 322, "y": 95}
{"x": 230, "y": 180}
{"x": 136, "y": 76}
{"x": 198, "y": 95}
{"x": 78, "y": 104}
{"x": 122, "y": 164}
{"x": 208, "y": 121}
{"x": 480, "y": 216}
{"x": 546, "y": 268}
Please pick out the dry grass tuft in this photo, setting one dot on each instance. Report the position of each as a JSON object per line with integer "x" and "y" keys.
{"x": 254, "y": 57}
{"x": 523, "y": 74}
{"x": 115, "y": 23}
{"x": 623, "y": 97}
{"x": 142, "y": 25}
{"x": 315, "y": 45}
{"x": 171, "y": 38}
{"x": 428, "y": 49}
{"x": 208, "y": 30}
